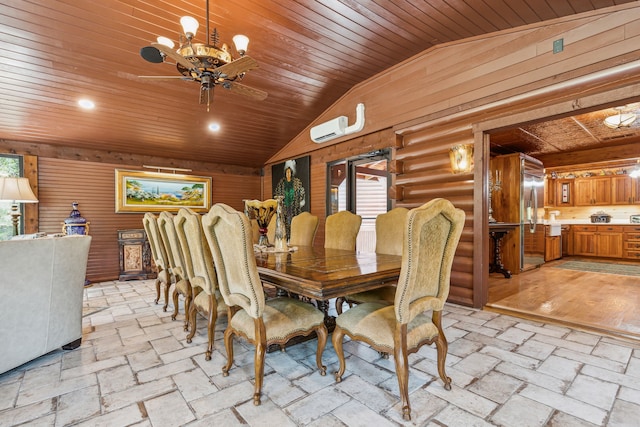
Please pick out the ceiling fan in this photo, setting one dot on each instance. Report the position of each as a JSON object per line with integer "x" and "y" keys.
{"x": 208, "y": 64}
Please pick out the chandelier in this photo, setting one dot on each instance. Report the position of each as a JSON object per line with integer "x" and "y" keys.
{"x": 621, "y": 119}
{"x": 210, "y": 64}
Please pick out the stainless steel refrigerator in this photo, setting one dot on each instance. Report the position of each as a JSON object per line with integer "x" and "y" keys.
{"x": 531, "y": 213}
{"x": 519, "y": 199}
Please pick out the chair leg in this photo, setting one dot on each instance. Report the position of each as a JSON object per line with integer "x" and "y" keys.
{"x": 442, "y": 347}
{"x": 228, "y": 345}
{"x": 175, "y": 304}
{"x": 166, "y": 295}
{"x": 322, "y": 333}
{"x": 402, "y": 368}
{"x": 192, "y": 322}
{"x": 157, "y": 291}
{"x": 187, "y": 306}
{"x": 258, "y": 362}
{"x": 336, "y": 339}
{"x": 211, "y": 325}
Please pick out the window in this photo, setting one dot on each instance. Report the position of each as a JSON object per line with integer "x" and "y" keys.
{"x": 10, "y": 165}
{"x": 361, "y": 185}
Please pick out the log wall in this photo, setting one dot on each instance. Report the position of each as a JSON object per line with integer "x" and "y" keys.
{"x": 456, "y": 93}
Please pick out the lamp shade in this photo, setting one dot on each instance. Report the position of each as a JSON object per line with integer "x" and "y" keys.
{"x": 189, "y": 26}
{"x": 241, "y": 42}
{"x": 16, "y": 190}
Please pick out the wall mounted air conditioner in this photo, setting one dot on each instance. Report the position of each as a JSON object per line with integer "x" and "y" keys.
{"x": 338, "y": 127}
{"x": 329, "y": 130}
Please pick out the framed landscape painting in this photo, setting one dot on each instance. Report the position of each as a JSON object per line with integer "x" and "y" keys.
{"x": 140, "y": 191}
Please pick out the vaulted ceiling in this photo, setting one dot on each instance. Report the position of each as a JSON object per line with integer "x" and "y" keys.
{"x": 56, "y": 52}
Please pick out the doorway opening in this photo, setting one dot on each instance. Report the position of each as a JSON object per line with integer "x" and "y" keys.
{"x": 551, "y": 293}
{"x": 360, "y": 184}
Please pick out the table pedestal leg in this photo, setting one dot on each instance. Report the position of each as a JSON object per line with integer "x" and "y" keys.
{"x": 497, "y": 266}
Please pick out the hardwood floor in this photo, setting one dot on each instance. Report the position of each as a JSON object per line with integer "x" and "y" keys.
{"x": 605, "y": 303}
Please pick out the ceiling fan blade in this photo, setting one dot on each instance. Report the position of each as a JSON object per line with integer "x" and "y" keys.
{"x": 244, "y": 90}
{"x": 165, "y": 77}
{"x": 233, "y": 68}
{"x": 176, "y": 57}
{"x": 151, "y": 54}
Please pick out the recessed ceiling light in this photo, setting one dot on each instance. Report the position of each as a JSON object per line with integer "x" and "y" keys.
{"x": 86, "y": 104}
{"x": 214, "y": 127}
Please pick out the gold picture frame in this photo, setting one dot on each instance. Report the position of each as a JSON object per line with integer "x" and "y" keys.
{"x": 141, "y": 191}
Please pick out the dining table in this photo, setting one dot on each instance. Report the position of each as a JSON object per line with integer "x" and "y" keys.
{"x": 320, "y": 274}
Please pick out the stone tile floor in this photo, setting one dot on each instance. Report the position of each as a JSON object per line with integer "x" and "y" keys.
{"x": 134, "y": 368}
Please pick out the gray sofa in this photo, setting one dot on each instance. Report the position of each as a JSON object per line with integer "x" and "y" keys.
{"x": 41, "y": 292}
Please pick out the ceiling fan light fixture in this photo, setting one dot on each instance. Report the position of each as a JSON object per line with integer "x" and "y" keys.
{"x": 189, "y": 26}
{"x": 241, "y": 42}
{"x": 210, "y": 63}
{"x": 166, "y": 41}
{"x": 620, "y": 120}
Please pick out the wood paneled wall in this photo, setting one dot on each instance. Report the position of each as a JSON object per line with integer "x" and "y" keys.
{"x": 454, "y": 92}
{"x": 92, "y": 185}
{"x": 318, "y": 169}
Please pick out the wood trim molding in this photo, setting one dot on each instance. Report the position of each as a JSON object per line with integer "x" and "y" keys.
{"x": 104, "y": 156}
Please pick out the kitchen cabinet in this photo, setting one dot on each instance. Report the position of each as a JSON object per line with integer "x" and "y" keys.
{"x": 567, "y": 249}
{"x": 598, "y": 240}
{"x": 592, "y": 191}
{"x": 564, "y": 192}
{"x": 631, "y": 242}
{"x": 624, "y": 190}
{"x": 552, "y": 248}
{"x": 549, "y": 192}
{"x": 584, "y": 240}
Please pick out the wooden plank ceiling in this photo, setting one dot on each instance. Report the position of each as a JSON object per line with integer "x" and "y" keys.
{"x": 55, "y": 52}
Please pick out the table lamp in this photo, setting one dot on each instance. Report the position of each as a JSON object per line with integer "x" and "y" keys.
{"x": 16, "y": 190}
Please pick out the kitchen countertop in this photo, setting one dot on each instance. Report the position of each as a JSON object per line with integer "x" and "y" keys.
{"x": 588, "y": 222}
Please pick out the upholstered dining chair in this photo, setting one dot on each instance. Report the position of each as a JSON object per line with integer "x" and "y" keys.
{"x": 431, "y": 237}
{"x": 341, "y": 230}
{"x": 176, "y": 262}
{"x": 303, "y": 229}
{"x": 251, "y": 317}
{"x": 389, "y": 240}
{"x": 159, "y": 254}
{"x": 202, "y": 275}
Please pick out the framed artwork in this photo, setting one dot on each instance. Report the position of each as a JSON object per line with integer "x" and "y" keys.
{"x": 290, "y": 179}
{"x": 140, "y": 191}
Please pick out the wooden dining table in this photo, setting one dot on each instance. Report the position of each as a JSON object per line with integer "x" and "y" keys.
{"x": 322, "y": 274}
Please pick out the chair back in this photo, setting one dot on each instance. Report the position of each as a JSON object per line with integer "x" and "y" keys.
{"x": 390, "y": 231}
{"x": 228, "y": 233}
{"x": 158, "y": 251}
{"x": 431, "y": 236}
{"x": 172, "y": 244}
{"x": 303, "y": 229}
{"x": 200, "y": 270}
{"x": 341, "y": 230}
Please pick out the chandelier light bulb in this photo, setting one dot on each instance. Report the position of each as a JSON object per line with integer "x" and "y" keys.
{"x": 166, "y": 41}
{"x": 189, "y": 26}
{"x": 241, "y": 42}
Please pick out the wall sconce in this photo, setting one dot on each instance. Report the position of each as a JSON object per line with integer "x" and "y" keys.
{"x": 461, "y": 158}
